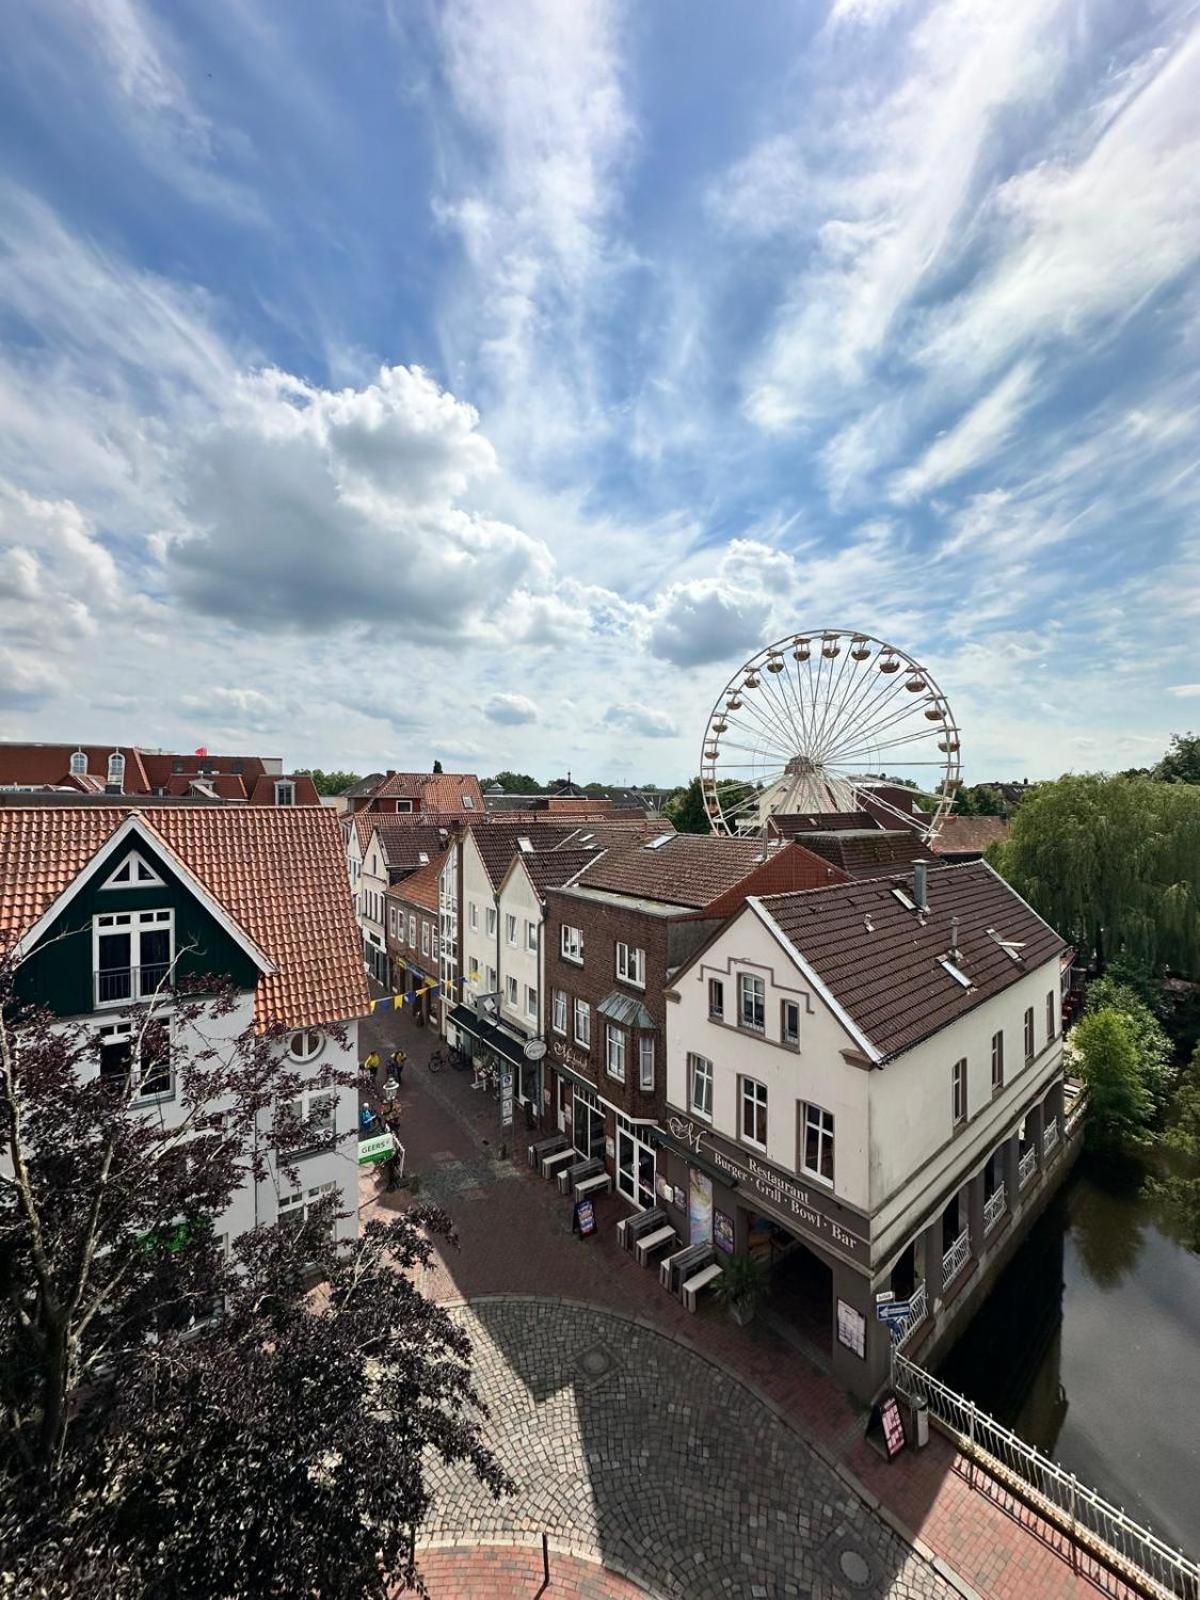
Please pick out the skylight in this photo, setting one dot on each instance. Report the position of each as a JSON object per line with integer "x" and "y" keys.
{"x": 423, "y": 857}
{"x": 958, "y": 975}
{"x": 657, "y": 844}
{"x": 525, "y": 844}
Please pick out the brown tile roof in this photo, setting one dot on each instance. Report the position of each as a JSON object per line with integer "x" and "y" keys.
{"x": 497, "y": 843}
{"x": 263, "y": 793}
{"x": 789, "y": 823}
{"x": 422, "y": 887}
{"x": 866, "y": 855}
{"x": 279, "y": 872}
{"x": 881, "y": 963}
{"x": 551, "y": 869}
{"x": 788, "y": 869}
{"x": 690, "y": 869}
{"x": 970, "y": 835}
{"x": 51, "y": 763}
{"x": 436, "y": 791}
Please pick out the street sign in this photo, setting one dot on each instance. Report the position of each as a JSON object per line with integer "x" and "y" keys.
{"x": 377, "y": 1149}
{"x": 894, "y": 1311}
{"x": 506, "y": 1099}
{"x": 535, "y": 1049}
{"x": 885, "y": 1297}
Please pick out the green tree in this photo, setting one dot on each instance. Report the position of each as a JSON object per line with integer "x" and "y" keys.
{"x": 437, "y": 766}
{"x": 1181, "y": 764}
{"x": 1114, "y": 864}
{"x": 329, "y": 782}
{"x": 686, "y": 809}
{"x": 1150, "y": 1042}
{"x": 1179, "y": 1186}
{"x": 514, "y": 783}
{"x": 980, "y": 800}
{"x": 1119, "y": 1104}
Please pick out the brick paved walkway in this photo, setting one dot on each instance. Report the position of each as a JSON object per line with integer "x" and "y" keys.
{"x": 491, "y": 1572}
{"x": 515, "y": 1239}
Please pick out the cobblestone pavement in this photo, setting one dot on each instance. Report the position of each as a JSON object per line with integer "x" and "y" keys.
{"x": 515, "y": 1238}
{"x": 641, "y": 1455}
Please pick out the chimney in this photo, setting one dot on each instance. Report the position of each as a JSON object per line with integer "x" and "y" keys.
{"x": 391, "y": 772}
{"x": 921, "y": 885}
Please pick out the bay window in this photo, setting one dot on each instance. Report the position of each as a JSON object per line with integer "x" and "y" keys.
{"x": 616, "y": 1052}
{"x": 646, "y": 1061}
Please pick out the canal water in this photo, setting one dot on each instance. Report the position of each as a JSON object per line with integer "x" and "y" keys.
{"x": 1089, "y": 1347}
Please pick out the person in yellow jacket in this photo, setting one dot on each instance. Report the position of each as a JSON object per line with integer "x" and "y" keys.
{"x": 372, "y": 1065}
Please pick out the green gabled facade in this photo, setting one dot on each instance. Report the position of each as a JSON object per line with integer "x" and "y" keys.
{"x": 58, "y": 974}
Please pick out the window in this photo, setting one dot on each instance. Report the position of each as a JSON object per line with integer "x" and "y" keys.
{"x": 313, "y": 1110}
{"x": 530, "y": 1001}
{"x": 116, "y": 1063}
{"x": 510, "y": 928}
{"x": 491, "y": 980}
{"x": 392, "y": 922}
{"x": 510, "y": 991}
{"x": 474, "y": 910}
{"x": 1030, "y": 1048}
{"x": 998, "y": 1060}
{"x": 716, "y": 998}
{"x": 789, "y": 1022}
{"x": 133, "y": 873}
{"x": 412, "y": 930}
{"x": 305, "y": 1044}
{"x": 424, "y": 937}
{"x": 468, "y": 801}
{"x": 491, "y": 921}
{"x": 531, "y": 935}
{"x": 78, "y": 764}
{"x": 295, "y": 1209}
{"x": 752, "y": 1002}
{"x": 285, "y": 794}
{"x": 116, "y": 769}
{"x": 404, "y": 805}
{"x": 572, "y": 945}
{"x": 473, "y": 971}
{"x": 958, "y": 1091}
{"x": 1050, "y": 1019}
{"x": 616, "y": 1053}
{"x": 132, "y": 953}
{"x": 631, "y": 964}
{"x": 583, "y": 1024}
{"x": 700, "y": 1086}
{"x": 433, "y": 940}
{"x": 558, "y": 1019}
{"x": 646, "y": 1062}
{"x": 816, "y": 1154}
{"x": 754, "y": 1112}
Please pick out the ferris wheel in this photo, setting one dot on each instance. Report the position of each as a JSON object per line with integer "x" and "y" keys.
{"x": 813, "y": 724}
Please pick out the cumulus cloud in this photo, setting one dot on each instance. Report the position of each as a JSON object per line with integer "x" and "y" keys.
{"x": 713, "y": 618}
{"x": 27, "y": 680}
{"x": 1184, "y": 691}
{"x": 248, "y": 706}
{"x": 310, "y": 508}
{"x": 641, "y": 720}
{"x": 510, "y": 709}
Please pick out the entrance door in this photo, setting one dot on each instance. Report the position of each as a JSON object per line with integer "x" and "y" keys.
{"x": 561, "y": 1093}
{"x": 635, "y": 1167}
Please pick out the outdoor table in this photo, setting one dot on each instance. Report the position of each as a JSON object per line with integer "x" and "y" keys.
{"x": 541, "y": 1148}
{"x": 631, "y": 1229}
{"x": 691, "y": 1257}
{"x": 570, "y": 1176}
{"x": 553, "y": 1163}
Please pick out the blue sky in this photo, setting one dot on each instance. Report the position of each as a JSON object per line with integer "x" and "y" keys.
{"x": 487, "y": 379}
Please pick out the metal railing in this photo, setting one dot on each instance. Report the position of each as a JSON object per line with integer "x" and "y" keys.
{"x": 1049, "y": 1137}
{"x": 956, "y": 1258}
{"x": 918, "y": 1310}
{"x": 993, "y": 1208}
{"x": 114, "y": 984}
{"x": 1027, "y": 1165}
{"x": 1090, "y": 1520}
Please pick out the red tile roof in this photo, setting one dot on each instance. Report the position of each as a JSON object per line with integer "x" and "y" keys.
{"x": 422, "y": 887}
{"x": 402, "y": 837}
{"x": 970, "y": 835}
{"x": 690, "y": 869}
{"x": 263, "y": 793}
{"x": 866, "y": 855}
{"x": 882, "y": 964}
{"x": 497, "y": 843}
{"x": 791, "y": 868}
{"x": 789, "y": 823}
{"x": 436, "y": 791}
{"x": 278, "y": 872}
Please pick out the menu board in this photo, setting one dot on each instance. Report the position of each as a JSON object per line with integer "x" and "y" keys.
{"x": 585, "y": 1218}
{"x": 851, "y": 1328}
{"x": 893, "y": 1427}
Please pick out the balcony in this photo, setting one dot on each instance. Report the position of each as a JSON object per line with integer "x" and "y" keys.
{"x": 1049, "y": 1137}
{"x": 993, "y": 1208}
{"x": 956, "y": 1258}
{"x": 114, "y": 986}
{"x": 1027, "y": 1166}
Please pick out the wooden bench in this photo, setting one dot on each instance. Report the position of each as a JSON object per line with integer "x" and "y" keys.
{"x": 650, "y": 1242}
{"x": 631, "y": 1229}
{"x": 682, "y": 1264}
{"x": 541, "y": 1148}
{"x": 694, "y": 1285}
{"x": 552, "y": 1164}
{"x": 568, "y": 1177}
{"x": 601, "y": 1183}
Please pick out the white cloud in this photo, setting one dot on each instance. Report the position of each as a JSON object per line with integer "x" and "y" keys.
{"x": 642, "y": 720}
{"x": 1184, "y": 691}
{"x": 973, "y": 440}
{"x": 510, "y": 709}
{"x": 27, "y": 679}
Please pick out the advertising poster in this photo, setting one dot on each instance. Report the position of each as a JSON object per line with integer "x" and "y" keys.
{"x": 700, "y": 1207}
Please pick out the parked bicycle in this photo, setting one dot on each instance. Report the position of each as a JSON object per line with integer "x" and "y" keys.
{"x": 436, "y": 1061}
{"x": 459, "y": 1059}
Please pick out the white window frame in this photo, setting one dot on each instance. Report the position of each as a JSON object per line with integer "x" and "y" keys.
{"x": 716, "y": 990}
{"x": 558, "y": 1015}
{"x": 572, "y": 944}
{"x": 1051, "y": 1017}
{"x": 752, "y": 983}
{"x": 424, "y": 937}
{"x": 631, "y": 965}
{"x": 510, "y": 929}
{"x": 133, "y": 923}
{"x": 700, "y": 1072}
{"x": 512, "y": 992}
{"x": 998, "y": 1059}
{"x": 301, "y": 1202}
{"x": 116, "y": 768}
{"x": 491, "y": 922}
{"x": 531, "y": 935}
{"x": 614, "y": 1052}
{"x": 305, "y": 1044}
{"x": 752, "y": 1096}
{"x": 1030, "y": 1036}
{"x": 77, "y": 766}
{"x": 646, "y": 1062}
{"x": 473, "y": 909}
{"x": 285, "y": 786}
{"x": 959, "y": 1106}
{"x": 792, "y": 1039}
{"x": 118, "y": 1033}
{"x": 531, "y": 1001}
{"x": 814, "y": 1117}
{"x": 306, "y": 1100}
{"x": 142, "y": 874}
{"x": 583, "y": 1013}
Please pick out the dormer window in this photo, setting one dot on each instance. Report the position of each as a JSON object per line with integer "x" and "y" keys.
{"x": 285, "y": 793}
{"x": 116, "y": 769}
{"x": 78, "y": 767}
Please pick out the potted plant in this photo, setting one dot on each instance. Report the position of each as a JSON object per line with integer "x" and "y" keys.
{"x": 741, "y": 1286}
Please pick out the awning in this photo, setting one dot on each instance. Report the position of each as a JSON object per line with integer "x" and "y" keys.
{"x": 497, "y": 1039}
{"x": 627, "y": 1010}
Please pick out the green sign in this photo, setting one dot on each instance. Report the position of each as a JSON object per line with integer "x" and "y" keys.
{"x": 377, "y": 1149}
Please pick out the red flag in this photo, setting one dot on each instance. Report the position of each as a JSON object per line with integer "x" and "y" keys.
{"x": 201, "y": 752}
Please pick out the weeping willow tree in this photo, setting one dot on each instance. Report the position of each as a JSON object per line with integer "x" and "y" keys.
{"x": 1114, "y": 865}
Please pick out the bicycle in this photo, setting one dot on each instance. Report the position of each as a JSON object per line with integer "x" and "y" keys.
{"x": 459, "y": 1059}
{"x": 436, "y": 1061}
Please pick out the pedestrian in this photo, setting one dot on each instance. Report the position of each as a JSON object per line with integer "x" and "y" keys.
{"x": 372, "y": 1064}
{"x": 398, "y": 1060}
{"x": 391, "y": 1169}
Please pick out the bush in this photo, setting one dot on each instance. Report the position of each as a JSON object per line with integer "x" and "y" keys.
{"x": 1119, "y": 1103}
{"x": 1151, "y": 1044}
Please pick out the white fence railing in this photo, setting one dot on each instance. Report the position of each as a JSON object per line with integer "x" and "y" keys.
{"x": 956, "y": 1257}
{"x": 1027, "y": 1165}
{"x": 993, "y": 1208}
{"x": 1049, "y": 1137}
{"x": 1090, "y": 1520}
{"x": 918, "y": 1310}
